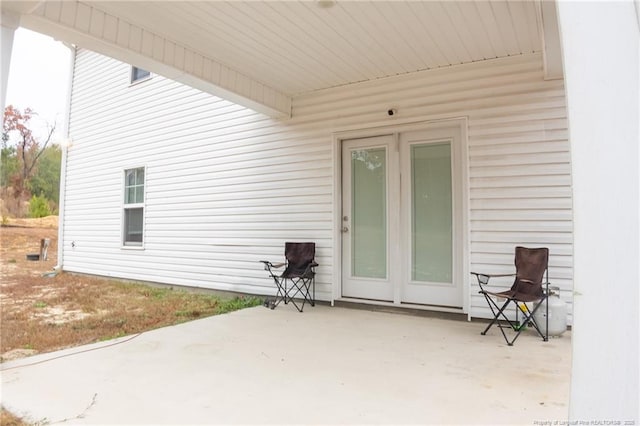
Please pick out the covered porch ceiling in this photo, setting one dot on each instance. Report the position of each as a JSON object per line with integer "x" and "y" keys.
{"x": 264, "y": 54}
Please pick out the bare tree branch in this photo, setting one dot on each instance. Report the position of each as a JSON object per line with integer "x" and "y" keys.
{"x": 42, "y": 148}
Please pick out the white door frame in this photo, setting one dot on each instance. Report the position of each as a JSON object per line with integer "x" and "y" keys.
{"x": 459, "y": 123}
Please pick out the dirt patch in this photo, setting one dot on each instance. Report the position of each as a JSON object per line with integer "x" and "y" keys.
{"x": 17, "y": 354}
{"x": 41, "y": 222}
{"x": 44, "y": 311}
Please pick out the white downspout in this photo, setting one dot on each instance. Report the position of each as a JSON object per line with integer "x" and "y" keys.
{"x": 63, "y": 166}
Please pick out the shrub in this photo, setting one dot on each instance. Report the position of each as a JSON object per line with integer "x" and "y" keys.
{"x": 39, "y": 207}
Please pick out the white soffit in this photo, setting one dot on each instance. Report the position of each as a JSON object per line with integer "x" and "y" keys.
{"x": 267, "y": 52}
{"x": 92, "y": 28}
{"x": 298, "y": 47}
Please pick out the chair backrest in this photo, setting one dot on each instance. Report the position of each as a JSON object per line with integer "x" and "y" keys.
{"x": 299, "y": 256}
{"x": 531, "y": 265}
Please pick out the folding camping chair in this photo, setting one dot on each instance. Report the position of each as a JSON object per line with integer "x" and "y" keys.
{"x": 532, "y": 273}
{"x": 298, "y": 278}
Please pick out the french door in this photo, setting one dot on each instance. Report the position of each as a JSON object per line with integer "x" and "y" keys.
{"x": 402, "y": 219}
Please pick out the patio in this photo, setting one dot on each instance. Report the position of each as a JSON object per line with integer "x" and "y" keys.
{"x": 324, "y": 366}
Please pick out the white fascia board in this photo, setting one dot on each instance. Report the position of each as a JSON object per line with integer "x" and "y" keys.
{"x": 552, "y": 52}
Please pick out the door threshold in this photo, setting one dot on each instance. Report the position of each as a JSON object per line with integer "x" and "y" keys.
{"x": 435, "y": 311}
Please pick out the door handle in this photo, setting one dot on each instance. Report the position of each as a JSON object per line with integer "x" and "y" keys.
{"x": 345, "y": 229}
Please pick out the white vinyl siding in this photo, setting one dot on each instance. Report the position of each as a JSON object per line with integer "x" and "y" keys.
{"x": 231, "y": 185}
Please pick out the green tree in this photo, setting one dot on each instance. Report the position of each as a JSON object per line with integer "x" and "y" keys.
{"x": 9, "y": 166}
{"x": 39, "y": 207}
{"x": 29, "y": 149}
{"x": 45, "y": 181}
{"x": 22, "y": 153}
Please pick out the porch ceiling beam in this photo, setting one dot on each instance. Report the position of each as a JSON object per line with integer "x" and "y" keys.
{"x": 84, "y": 25}
{"x": 552, "y": 52}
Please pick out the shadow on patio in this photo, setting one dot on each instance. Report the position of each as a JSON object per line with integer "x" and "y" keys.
{"x": 326, "y": 365}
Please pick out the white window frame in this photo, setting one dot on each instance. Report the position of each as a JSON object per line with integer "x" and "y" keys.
{"x": 135, "y": 245}
{"x": 138, "y": 80}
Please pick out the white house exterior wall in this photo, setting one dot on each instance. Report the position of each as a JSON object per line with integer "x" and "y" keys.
{"x": 226, "y": 186}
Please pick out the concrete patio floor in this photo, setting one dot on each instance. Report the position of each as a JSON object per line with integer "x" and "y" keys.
{"x": 324, "y": 366}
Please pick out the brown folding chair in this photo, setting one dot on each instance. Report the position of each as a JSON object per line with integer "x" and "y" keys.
{"x": 531, "y": 285}
{"x": 298, "y": 278}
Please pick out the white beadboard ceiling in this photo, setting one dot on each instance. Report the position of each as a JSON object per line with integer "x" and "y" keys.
{"x": 297, "y": 46}
{"x": 263, "y": 54}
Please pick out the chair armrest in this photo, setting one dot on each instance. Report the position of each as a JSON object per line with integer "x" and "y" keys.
{"x": 309, "y": 269}
{"x": 484, "y": 278}
{"x": 273, "y": 265}
{"x": 268, "y": 265}
{"x": 493, "y": 275}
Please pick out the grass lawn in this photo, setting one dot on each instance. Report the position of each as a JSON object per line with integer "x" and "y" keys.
{"x": 42, "y": 312}
{"x": 47, "y": 314}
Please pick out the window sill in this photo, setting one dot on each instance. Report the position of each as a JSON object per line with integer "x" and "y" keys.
{"x": 140, "y": 80}
{"x": 125, "y": 247}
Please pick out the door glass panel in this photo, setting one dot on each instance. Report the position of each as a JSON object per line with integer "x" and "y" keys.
{"x": 431, "y": 213}
{"x": 369, "y": 213}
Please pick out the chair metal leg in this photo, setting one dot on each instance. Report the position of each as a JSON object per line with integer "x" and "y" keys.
{"x": 496, "y": 311}
{"x": 280, "y": 292}
{"x": 301, "y": 286}
{"x": 517, "y": 326}
{"x": 313, "y": 285}
{"x": 528, "y": 318}
{"x": 531, "y": 319}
